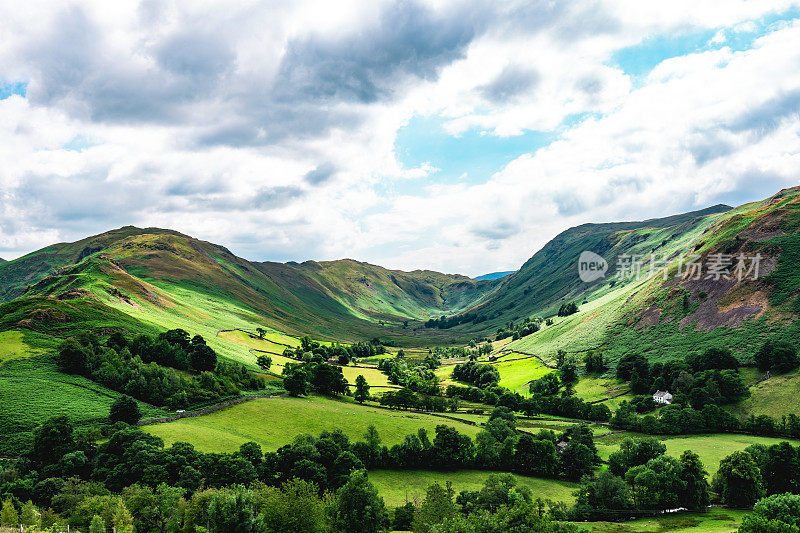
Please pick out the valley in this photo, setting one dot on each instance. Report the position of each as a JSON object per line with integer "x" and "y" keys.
{"x": 418, "y": 377}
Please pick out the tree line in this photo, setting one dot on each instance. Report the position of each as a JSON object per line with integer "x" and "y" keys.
{"x": 169, "y": 370}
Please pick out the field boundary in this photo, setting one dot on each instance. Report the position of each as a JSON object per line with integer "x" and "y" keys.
{"x": 207, "y": 410}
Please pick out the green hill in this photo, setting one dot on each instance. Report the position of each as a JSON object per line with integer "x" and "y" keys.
{"x": 137, "y": 270}
{"x": 495, "y": 275}
{"x": 672, "y": 317}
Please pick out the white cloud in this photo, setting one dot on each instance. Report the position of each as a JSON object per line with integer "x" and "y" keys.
{"x": 270, "y": 127}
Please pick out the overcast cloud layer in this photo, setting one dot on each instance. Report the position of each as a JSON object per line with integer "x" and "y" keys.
{"x": 457, "y": 136}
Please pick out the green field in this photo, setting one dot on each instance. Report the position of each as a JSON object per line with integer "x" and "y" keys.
{"x": 273, "y": 422}
{"x": 516, "y": 375}
{"x": 714, "y": 521}
{"x": 20, "y": 345}
{"x": 399, "y": 486}
{"x": 711, "y": 448}
{"x": 32, "y": 391}
{"x": 775, "y": 397}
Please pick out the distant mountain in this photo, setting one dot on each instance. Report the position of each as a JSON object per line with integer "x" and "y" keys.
{"x": 152, "y": 272}
{"x": 494, "y": 275}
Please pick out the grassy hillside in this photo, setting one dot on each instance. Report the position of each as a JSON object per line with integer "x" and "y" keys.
{"x": 160, "y": 269}
{"x": 677, "y": 316}
{"x": 33, "y": 390}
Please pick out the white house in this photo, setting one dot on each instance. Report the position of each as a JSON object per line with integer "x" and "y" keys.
{"x": 663, "y": 397}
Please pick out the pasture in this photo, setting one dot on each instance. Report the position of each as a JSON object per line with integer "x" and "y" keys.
{"x": 32, "y": 390}
{"x": 516, "y": 375}
{"x": 716, "y": 520}
{"x": 711, "y": 448}
{"x": 399, "y": 486}
{"x": 273, "y": 422}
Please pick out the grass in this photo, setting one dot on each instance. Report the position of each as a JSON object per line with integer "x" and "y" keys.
{"x": 711, "y": 448}
{"x": 515, "y": 375}
{"x": 399, "y": 486}
{"x": 21, "y": 345}
{"x": 274, "y": 422}
{"x": 32, "y": 390}
{"x": 372, "y": 375}
{"x": 714, "y": 521}
{"x": 594, "y": 388}
{"x": 775, "y": 397}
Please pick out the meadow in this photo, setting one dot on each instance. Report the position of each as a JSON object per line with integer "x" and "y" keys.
{"x": 33, "y": 390}
{"x": 399, "y": 486}
{"x": 273, "y": 422}
{"x": 714, "y": 521}
{"x": 516, "y": 375}
{"x": 20, "y": 344}
{"x": 711, "y": 448}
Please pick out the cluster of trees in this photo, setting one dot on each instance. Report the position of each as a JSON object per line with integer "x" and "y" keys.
{"x": 169, "y": 370}
{"x": 774, "y": 514}
{"x": 444, "y": 322}
{"x": 406, "y": 398}
{"x": 545, "y": 397}
{"x": 499, "y": 506}
{"x": 776, "y": 356}
{"x": 641, "y": 480}
{"x": 312, "y": 351}
{"x": 678, "y": 419}
{"x": 499, "y": 446}
{"x": 417, "y": 377}
{"x": 703, "y": 379}
{"x": 481, "y": 375}
{"x": 527, "y": 327}
{"x": 567, "y": 309}
{"x": 301, "y": 378}
{"x": 313, "y": 484}
{"x": 746, "y": 476}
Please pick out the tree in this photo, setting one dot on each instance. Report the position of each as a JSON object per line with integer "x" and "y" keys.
{"x": 72, "y": 357}
{"x": 569, "y": 373}
{"x": 606, "y": 498}
{"x": 575, "y": 461}
{"x": 328, "y": 379}
{"x": 784, "y": 508}
{"x": 451, "y": 449}
{"x": 634, "y": 452}
{"x": 122, "y": 519}
{"x": 203, "y": 358}
{"x": 8, "y": 514}
{"x": 294, "y": 508}
{"x": 359, "y": 508}
{"x": 28, "y": 515}
{"x": 777, "y": 356}
{"x": 125, "y": 409}
{"x": 52, "y": 440}
{"x": 436, "y": 507}
{"x": 97, "y": 525}
{"x": 261, "y": 332}
{"x": 264, "y": 361}
{"x": 693, "y": 474}
{"x": 738, "y": 480}
{"x": 295, "y": 380}
{"x": 362, "y": 389}
{"x": 153, "y": 509}
{"x": 233, "y": 510}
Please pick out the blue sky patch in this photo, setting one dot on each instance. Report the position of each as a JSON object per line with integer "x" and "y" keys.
{"x": 637, "y": 61}
{"x": 10, "y": 88}
{"x": 471, "y": 157}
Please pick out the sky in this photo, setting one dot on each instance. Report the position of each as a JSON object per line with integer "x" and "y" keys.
{"x": 458, "y": 136}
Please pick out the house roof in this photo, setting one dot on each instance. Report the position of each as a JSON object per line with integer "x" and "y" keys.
{"x": 662, "y": 394}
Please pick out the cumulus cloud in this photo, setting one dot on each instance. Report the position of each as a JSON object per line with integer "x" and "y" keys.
{"x": 271, "y": 127}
